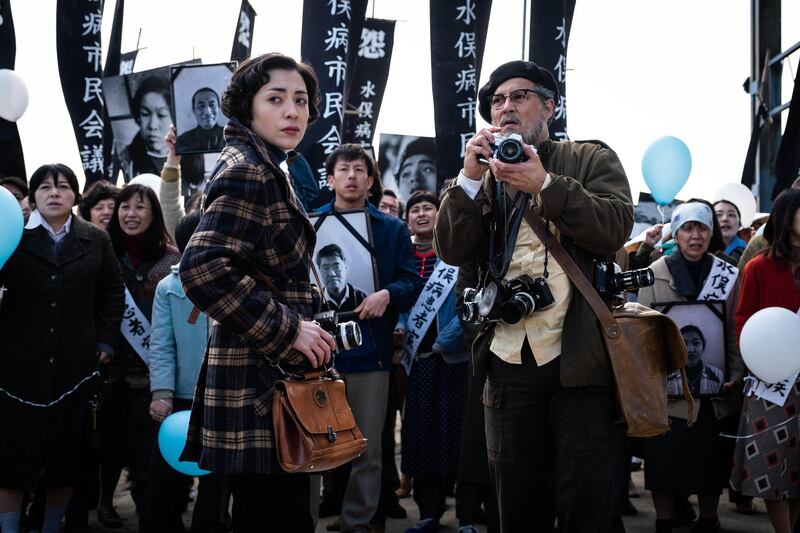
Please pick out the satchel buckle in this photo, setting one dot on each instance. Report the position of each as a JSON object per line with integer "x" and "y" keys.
{"x": 332, "y": 436}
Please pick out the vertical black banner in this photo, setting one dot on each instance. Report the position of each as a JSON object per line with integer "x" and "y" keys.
{"x": 787, "y": 164}
{"x": 80, "y": 67}
{"x": 551, "y": 21}
{"x": 458, "y": 34}
{"x": 358, "y": 14}
{"x": 326, "y": 27}
{"x": 113, "y": 59}
{"x": 374, "y": 56}
{"x": 243, "y": 39}
{"x": 12, "y": 162}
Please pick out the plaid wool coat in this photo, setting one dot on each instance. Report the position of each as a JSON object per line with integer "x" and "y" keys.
{"x": 253, "y": 228}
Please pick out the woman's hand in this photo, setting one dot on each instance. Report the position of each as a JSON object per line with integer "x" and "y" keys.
{"x": 173, "y": 159}
{"x": 103, "y": 357}
{"x": 314, "y": 342}
{"x": 160, "y": 409}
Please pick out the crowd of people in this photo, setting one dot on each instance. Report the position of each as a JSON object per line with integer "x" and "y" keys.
{"x": 141, "y": 304}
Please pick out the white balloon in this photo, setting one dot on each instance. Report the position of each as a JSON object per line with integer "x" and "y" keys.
{"x": 740, "y": 196}
{"x": 13, "y": 95}
{"x": 148, "y": 180}
{"x": 770, "y": 344}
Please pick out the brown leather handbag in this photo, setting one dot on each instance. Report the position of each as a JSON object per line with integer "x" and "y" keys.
{"x": 314, "y": 426}
{"x": 643, "y": 345}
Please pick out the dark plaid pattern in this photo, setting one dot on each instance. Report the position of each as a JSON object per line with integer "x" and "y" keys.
{"x": 253, "y": 229}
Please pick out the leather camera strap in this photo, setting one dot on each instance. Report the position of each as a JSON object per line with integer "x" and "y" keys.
{"x": 579, "y": 280}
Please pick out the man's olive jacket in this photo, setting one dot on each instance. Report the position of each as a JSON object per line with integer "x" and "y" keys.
{"x": 589, "y": 201}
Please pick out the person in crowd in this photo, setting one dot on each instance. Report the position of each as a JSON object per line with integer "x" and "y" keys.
{"x": 51, "y": 345}
{"x": 332, "y": 266}
{"x": 729, "y": 218}
{"x": 549, "y": 380}
{"x": 254, "y": 236}
{"x": 146, "y": 255}
{"x": 766, "y": 460}
{"x": 758, "y": 242}
{"x": 207, "y": 135}
{"x": 390, "y": 204}
{"x": 690, "y": 458}
{"x": 177, "y": 346}
{"x": 148, "y": 151}
{"x": 16, "y": 186}
{"x": 365, "y": 370}
{"x": 434, "y": 405}
{"x": 417, "y": 168}
{"x": 304, "y": 180}
{"x": 703, "y": 378}
{"x": 97, "y": 204}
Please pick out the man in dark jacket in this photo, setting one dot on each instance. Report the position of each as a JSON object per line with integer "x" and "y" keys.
{"x": 351, "y": 172}
{"x": 549, "y": 397}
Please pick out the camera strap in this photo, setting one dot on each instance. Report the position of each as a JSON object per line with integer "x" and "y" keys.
{"x": 504, "y": 228}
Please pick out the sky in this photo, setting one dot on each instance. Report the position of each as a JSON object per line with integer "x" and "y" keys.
{"x": 637, "y": 70}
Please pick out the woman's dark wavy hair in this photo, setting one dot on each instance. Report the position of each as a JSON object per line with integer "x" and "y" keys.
{"x": 717, "y": 243}
{"x": 779, "y": 227}
{"x": 95, "y": 193}
{"x": 53, "y": 169}
{"x": 251, "y": 75}
{"x": 151, "y": 84}
{"x": 155, "y": 239}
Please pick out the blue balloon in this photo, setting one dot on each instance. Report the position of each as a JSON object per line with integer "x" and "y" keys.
{"x": 172, "y": 439}
{"x": 666, "y": 166}
{"x": 11, "y": 222}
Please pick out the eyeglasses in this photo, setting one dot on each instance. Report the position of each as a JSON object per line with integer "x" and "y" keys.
{"x": 517, "y": 97}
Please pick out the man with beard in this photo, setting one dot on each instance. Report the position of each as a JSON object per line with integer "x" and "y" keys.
{"x": 549, "y": 396}
{"x": 207, "y": 136}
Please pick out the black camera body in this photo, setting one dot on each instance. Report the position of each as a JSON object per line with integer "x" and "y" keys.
{"x": 509, "y": 301}
{"x": 347, "y": 333}
{"x": 609, "y": 281}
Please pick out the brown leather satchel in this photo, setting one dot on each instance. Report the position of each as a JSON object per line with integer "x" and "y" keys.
{"x": 314, "y": 426}
{"x": 643, "y": 345}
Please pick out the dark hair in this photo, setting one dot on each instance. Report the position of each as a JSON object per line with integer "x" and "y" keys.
{"x": 154, "y": 240}
{"x": 738, "y": 213}
{"x": 252, "y": 74}
{"x": 198, "y": 91}
{"x": 422, "y": 195}
{"x": 796, "y": 183}
{"x": 330, "y": 250}
{"x": 694, "y": 329}
{"x": 420, "y": 146}
{"x": 194, "y": 202}
{"x": 53, "y": 170}
{"x": 95, "y": 193}
{"x": 389, "y": 192}
{"x": 151, "y": 84}
{"x": 351, "y": 152}
{"x": 717, "y": 243}
{"x": 18, "y": 182}
{"x": 185, "y": 229}
{"x": 779, "y": 227}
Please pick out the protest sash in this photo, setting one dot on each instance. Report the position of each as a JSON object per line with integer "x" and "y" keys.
{"x": 720, "y": 281}
{"x": 430, "y": 300}
{"x": 136, "y": 328}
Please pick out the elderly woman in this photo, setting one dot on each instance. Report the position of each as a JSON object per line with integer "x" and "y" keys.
{"x": 689, "y": 459}
{"x": 60, "y": 317}
{"x": 247, "y": 268}
{"x": 766, "y": 463}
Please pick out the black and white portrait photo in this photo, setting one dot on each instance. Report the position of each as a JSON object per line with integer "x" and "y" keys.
{"x": 139, "y": 107}
{"x": 646, "y": 214}
{"x": 702, "y": 327}
{"x": 343, "y": 257}
{"x": 408, "y": 163}
{"x": 196, "y": 99}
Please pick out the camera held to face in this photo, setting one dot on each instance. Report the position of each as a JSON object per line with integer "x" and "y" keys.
{"x": 507, "y": 149}
{"x": 346, "y": 333}
{"x": 609, "y": 279}
{"x": 509, "y": 301}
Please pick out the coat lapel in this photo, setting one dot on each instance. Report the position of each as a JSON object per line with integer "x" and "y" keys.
{"x": 74, "y": 244}
{"x": 40, "y": 245}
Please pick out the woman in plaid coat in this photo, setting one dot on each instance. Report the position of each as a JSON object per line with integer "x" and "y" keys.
{"x": 247, "y": 268}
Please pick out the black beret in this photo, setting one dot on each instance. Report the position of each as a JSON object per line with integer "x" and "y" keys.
{"x": 513, "y": 69}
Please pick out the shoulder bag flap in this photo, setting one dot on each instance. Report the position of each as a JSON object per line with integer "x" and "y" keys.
{"x": 320, "y": 405}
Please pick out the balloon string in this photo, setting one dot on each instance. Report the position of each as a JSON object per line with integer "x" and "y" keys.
{"x": 661, "y": 210}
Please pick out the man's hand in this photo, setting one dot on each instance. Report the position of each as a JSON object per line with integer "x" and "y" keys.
{"x": 373, "y": 305}
{"x": 160, "y": 409}
{"x": 314, "y": 342}
{"x": 173, "y": 159}
{"x": 478, "y": 146}
{"x": 527, "y": 176}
